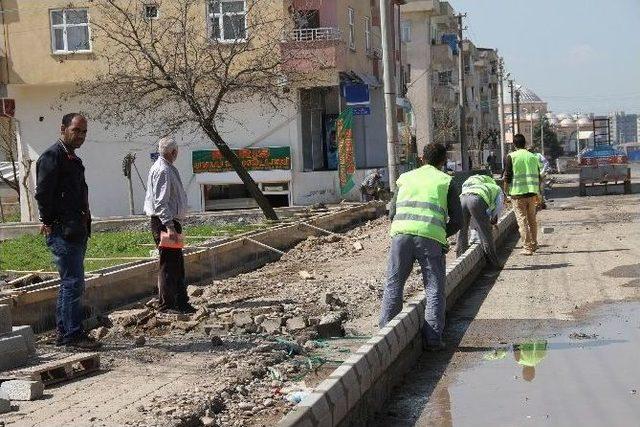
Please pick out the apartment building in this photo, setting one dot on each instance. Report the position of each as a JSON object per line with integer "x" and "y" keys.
{"x": 624, "y": 127}
{"x": 48, "y": 46}
{"x": 434, "y": 89}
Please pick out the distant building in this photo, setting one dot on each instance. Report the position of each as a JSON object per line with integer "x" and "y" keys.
{"x": 624, "y": 127}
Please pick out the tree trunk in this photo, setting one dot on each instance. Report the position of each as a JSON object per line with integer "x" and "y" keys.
{"x": 249, "y": 183}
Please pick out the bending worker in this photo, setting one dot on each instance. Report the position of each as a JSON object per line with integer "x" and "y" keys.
{"x": 425, "y": 210}
{"x": 522, "y": 178}
{"x": 482, "y": 201}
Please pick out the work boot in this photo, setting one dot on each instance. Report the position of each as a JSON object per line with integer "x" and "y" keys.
{"x": 433, "y": 346}
{"x": 83, "y": 342}
{"x": 187, "y": 309}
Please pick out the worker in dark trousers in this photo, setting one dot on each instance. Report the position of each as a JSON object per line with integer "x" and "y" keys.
{"x": 482, "y": 202}
{"x": 425, "y": 211}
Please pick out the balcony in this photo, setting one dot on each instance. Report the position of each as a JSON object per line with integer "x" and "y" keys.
{"x": 442, "y": 56}
{"x": 312, "y": 49}
{"x": 315, "y": 34}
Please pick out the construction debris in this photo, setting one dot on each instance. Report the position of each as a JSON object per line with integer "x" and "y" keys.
{"x": 23, "y": 389}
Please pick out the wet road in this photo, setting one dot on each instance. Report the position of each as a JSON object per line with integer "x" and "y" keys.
{"x": 552, "y": 340}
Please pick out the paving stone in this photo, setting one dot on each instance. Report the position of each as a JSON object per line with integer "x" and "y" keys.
{"x": 13, "y": 352}
{"x": 23, "y": 389}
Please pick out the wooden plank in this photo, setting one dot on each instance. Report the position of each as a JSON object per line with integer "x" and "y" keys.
{"x": 69, "y": 368}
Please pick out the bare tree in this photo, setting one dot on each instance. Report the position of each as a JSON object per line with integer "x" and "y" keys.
{"x": 184, "y": 72}
{"x": 9, "y": 151}
{"x": 445, "y": 125}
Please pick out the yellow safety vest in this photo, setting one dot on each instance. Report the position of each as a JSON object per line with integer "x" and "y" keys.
{"x": 421, "y": 205}
{"x": 526, "y": 173}
{"x": 483, "y": 186}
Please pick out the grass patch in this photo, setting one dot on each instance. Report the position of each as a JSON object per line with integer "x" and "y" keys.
{"x": 30, "y": 253}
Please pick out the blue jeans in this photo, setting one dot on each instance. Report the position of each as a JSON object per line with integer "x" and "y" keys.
{"x": 69, "y": 258}
{"x": 405, "y": 250}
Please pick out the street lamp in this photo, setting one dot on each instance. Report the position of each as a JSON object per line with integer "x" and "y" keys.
{"x": 531, "y": 116}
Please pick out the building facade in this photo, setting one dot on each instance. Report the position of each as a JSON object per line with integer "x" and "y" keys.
{"x": 624, "y": 127}
{"x": 48, "y": 47}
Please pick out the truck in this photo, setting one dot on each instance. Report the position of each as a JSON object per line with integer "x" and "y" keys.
{"x": 602, "y": 164}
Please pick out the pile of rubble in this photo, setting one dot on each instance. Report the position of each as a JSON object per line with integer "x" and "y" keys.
{"x": 270, "y": 334}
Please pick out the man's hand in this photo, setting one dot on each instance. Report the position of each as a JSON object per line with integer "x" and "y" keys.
{"x": 494, "y": 220}
{"x": 45, "y": 230}
{"x": 173, "y": 234}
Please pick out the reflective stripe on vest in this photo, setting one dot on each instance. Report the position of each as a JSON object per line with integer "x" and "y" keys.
{"x": 421, "y": 205}
{"x": 486, "y": 188}
{"x": 526, "y": 173}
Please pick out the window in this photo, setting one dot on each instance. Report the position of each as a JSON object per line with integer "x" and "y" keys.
{"x": 405, "y": 31}
{"x": 70, "y": 31}
{"x": 352, "y": 29}
{"x": 151, "y": 11}
{"x": 367, "y": 33}
{"x": 228, "y": 20}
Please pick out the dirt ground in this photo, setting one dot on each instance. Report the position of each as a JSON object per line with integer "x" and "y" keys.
{"x": 232, "y": 363}
{"x": 583, "y": 279}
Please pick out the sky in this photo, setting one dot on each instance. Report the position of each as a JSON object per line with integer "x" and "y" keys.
{"x": 577, "y": 55}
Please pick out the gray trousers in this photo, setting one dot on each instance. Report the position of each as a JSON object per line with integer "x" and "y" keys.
{"x": 405, "y": 250}
{"x": 474, "y": 210}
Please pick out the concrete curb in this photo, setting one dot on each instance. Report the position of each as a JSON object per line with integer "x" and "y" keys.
{"x": 35, "y": 305}
{"x": 363, "y": 382}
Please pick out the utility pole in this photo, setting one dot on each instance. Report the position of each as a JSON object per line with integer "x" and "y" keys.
{"x": 518, "y": 110}
{"x": 462, "y": 137}
{"x": 388, "y": 60}
{"x": 501, "y": 107}
{"x": 513, "y": 111}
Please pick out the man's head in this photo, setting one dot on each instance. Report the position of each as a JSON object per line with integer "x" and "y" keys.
{"x": 168, "y": 148}
{"x": 73, "y": 130}
{"x": 528, "y": 373}
{"x": 519, "y": 140}
{"x": 435, "y": 155}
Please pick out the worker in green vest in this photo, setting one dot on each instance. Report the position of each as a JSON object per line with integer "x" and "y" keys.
{"x": 482, "y": 202}
{"x": 529, "y": 355}
{"x": 425, "y": 210}
{"x": 522, "y": 184}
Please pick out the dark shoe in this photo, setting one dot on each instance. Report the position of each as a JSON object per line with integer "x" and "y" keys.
{"x": 59, "y": 341}
{"x": 166, "y": 310}
{"x": 495, "y": 267}
{"x": 83, "y": 342}
{"x": 187, "y": 309}
{"x": 434, "y": 347}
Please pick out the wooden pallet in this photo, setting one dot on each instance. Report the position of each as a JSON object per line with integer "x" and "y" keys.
{"x": 56, "y": 371}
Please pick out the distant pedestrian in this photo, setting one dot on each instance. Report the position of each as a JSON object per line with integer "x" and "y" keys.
{"x": 371, "y": 186}
{"x": 482, "y": 202}
{"x": 425, "y": 210}
{"x": 545, "y": 169}
{"x": 63, "y": 201}
{"x": 492, "y": 162}
{"x": 166, "y": 204}
{"x": 522, "y": 183}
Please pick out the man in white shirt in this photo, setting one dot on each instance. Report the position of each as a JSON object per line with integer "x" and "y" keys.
{"x": 166, "y": 204}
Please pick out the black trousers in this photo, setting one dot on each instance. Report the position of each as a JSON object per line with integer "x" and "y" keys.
{"x": 172, "y": 288}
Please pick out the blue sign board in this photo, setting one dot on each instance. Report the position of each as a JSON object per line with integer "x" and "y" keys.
{"x": 356, "y": 94}
{"x": 361, "y": 110}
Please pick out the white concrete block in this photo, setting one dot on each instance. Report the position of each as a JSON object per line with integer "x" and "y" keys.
{"x": 25, "y": 332}
{"x": 23, "y": 389}
{"x": 13, "y": 352}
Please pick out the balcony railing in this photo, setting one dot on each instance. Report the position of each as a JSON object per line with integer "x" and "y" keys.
{"x": 316, "y": 34}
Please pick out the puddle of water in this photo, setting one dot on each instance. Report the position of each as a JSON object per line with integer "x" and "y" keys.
{"x": 586, "y": 376}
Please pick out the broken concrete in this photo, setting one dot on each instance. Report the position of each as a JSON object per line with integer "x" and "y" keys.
{"x": 330, "y": 326}
{"x": 296, "y": 323}
{"x": 26, "y": 333}
{"x": 23, "y": 389}
{"x": 272, "y": 325}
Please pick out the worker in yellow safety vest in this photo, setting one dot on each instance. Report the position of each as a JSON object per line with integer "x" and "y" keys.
{"x": 425, "y": 211}
{"x": 529, "y": 355}
{"x": 522, "y": 184}
{"x": 482, "y": 201}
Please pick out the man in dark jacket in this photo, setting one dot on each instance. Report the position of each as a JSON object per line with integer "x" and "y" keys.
{"x": 63, "y": 201}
